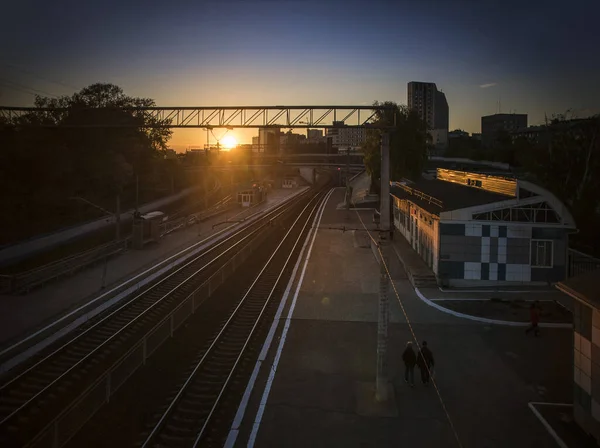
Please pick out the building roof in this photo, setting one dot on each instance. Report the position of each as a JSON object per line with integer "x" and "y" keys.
{"x": 584, "y": 287}
{"x": 452, "y": 196}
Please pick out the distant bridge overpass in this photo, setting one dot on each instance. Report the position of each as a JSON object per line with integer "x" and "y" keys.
{"x": 331, "y": 165}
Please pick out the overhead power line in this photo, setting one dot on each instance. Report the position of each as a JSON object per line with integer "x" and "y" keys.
{"x": 22, "y": 88}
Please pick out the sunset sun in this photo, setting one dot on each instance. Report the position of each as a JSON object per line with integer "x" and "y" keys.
{"x": 229, "y": 142}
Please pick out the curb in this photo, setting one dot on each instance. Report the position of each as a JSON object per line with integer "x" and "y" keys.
{"x": 486, "y": 320}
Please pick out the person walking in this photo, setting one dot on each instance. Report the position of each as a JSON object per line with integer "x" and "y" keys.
{"x": 410, "y": 359}
{"x": 534, "y": 317}
{"x": 425, "y": 362}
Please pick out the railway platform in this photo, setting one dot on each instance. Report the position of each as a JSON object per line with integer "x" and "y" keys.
{"x": 22, "y": 315}
{"x": 314, "y": 385}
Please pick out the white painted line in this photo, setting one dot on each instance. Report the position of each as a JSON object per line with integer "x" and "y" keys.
{"x": 488, "y": 291}
{"x": 485, "y": 320}
{"x": 237, "y": 421}
{"x": 542, "y": 403}
{"x": 174, "y": 262}
{"x": 288, "y": 320}
{"x": 490, "y": 300}
{"x": 549, "y": 428}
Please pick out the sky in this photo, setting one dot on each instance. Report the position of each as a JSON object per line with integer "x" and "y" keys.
{"x": 530, "y": 56}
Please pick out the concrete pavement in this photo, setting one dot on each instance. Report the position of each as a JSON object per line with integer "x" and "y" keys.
{"x": 311, "y": 390}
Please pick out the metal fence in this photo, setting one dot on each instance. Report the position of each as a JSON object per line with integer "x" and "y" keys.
{"x": 66, "y": 424}
{"x": 25, "y": 281}
{"x": 580, "y": 263}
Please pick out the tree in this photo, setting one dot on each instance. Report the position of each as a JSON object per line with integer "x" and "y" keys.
{"x": 83, "y": 154}
{"x": 566, "y": 161}
{"x": 408, "y": 143}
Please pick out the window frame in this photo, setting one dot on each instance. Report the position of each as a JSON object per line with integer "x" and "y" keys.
{"x": 535, "y": 240}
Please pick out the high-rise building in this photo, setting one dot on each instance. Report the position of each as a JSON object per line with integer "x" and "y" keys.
{"x": 431, "y": 105}
{"x": 268, "y": 140}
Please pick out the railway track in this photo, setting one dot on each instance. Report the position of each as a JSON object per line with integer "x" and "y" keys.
{"x": 200, "y": 399}
{"x": 31, "y": 399}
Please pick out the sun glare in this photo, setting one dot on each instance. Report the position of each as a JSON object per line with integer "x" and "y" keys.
{"x": 229, "y": 142}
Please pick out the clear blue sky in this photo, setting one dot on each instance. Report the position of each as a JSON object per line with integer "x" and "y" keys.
{"x": 541, "y": 57}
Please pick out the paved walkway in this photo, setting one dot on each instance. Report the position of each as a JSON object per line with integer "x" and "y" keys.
{"x": 21, "y": 315}
{"x": 312, "y": 393}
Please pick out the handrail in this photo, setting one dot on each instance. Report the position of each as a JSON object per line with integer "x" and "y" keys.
{"x": 418, "y": 193}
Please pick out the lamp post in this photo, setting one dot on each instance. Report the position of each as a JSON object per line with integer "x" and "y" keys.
{"x": 117, "y": 217}
{"x": 381, "y": 382}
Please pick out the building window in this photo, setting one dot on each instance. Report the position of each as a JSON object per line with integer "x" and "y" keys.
{"x": 542, "y": 253}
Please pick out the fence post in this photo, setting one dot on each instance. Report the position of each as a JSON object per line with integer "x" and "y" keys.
{"x": 108, "y": 387}
{"x": 55, "y": 438}
{"x": 145, "y": 349}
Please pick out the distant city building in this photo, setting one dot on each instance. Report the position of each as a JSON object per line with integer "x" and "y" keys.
{"x": 457, "y": 133}
{"x": 268, "y": 140}
{"x": 346, "y": 137}
{"x": 289, "y": 140}
{"x": 439, "y": 140}
{"x": 541, "y": 133}
{"x": 431, "y": 105}
{"x": 314, "y": 134}
{"x": 441, "y": 112}
{"x": 492, "y": 124}
{"x": 256, "y": 144}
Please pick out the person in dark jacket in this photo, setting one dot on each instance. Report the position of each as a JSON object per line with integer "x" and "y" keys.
{"x": 410, "y": 359}
{"x": 425, "y": 362}
{"x": 534, "y": 317}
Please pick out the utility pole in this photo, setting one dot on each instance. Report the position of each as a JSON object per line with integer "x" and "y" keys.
{"x": 381, "y": 381}
{"x": 118, "y": 217}
{"x": 348, "y": 192}
{"x": 137, "y": 192}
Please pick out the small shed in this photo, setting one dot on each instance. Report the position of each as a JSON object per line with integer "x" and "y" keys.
{"x": 585, "y": 291}
{"x": 251, "y": 196}
{"x": 146, "y": 228}
{"x": 289, "y": 182}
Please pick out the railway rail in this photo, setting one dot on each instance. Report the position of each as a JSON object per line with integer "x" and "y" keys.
{"x": 202, "y": 397}
{"x": 34, "y": 401}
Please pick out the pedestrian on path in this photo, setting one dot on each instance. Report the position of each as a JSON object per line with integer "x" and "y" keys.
{"x": 410, "y": 359}
{"x": 534, "y": 317}
{"x": 425, "y": 362}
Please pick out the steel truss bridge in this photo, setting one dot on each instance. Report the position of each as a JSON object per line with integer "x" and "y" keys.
{"x": 210, "y": 117}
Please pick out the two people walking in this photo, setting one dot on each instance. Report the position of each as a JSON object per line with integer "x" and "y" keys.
{"x": 424, "y": 360}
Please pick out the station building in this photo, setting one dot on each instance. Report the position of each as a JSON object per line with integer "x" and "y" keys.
{"x": 584, "y": 289}
{"x": 482, "y": 229}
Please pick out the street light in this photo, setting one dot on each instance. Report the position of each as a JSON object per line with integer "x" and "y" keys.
{"x": 117, "y": 228}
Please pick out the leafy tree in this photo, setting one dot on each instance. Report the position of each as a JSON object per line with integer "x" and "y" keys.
{"x": 566, "y": 161}
{"x": 408, "y": 143}
{"x": 95, "y": 147}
